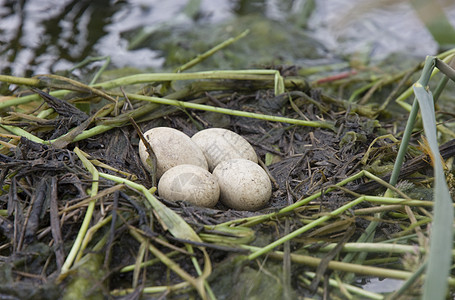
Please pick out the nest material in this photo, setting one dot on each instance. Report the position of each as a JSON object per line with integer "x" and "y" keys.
{"x": 47, "y": 196}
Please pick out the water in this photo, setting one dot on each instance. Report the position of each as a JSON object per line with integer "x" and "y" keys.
{"x": 42, "y": 36}
{"x": 387, "y": 285}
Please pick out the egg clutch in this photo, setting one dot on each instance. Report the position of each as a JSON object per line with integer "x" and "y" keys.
{"x": 215, "y": 164}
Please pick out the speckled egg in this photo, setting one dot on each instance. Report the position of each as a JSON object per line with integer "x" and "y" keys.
{"x": 244, "y": 185}
{"x": 220, "y": 144}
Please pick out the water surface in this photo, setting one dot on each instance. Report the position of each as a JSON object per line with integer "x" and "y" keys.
{"x": 49, "y": 35}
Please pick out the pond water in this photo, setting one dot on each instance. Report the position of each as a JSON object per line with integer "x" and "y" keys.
{"x": 49, "y": 35}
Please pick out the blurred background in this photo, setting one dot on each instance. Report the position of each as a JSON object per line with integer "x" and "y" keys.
{"x": 46, "y": 36}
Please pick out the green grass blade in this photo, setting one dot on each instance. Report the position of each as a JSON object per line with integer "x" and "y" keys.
{"x": 305, "y": 228}
{"x": 76, "y": 248}
{"x": 440, "y": 258}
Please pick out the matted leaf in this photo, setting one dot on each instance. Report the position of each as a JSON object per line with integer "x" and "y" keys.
{"x": 441, "y": 243}
{"x": 168, "y": 218}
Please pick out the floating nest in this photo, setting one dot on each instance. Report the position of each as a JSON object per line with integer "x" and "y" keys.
{"x": 79, "y": 217}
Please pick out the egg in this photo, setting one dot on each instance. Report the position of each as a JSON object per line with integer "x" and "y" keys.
{"x": 220, "y": 144}
{"x": 171, "y": 148}
{"x": 244, "y": 185}
{"x": 189, "y": 183}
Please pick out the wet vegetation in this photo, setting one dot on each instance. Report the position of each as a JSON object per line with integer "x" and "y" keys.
{"x": 362, "y": 179}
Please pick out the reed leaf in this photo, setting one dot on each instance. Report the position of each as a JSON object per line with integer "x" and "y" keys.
{"x": 441, "y": 243}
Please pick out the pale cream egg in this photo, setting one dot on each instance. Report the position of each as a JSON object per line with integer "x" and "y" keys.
{"x": 189, "y": 183}
{"x": 171, "y": 148}
{"x": 244, "y": 185}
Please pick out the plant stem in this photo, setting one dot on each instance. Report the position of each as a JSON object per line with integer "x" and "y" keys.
{"x": 233, "y": 112}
